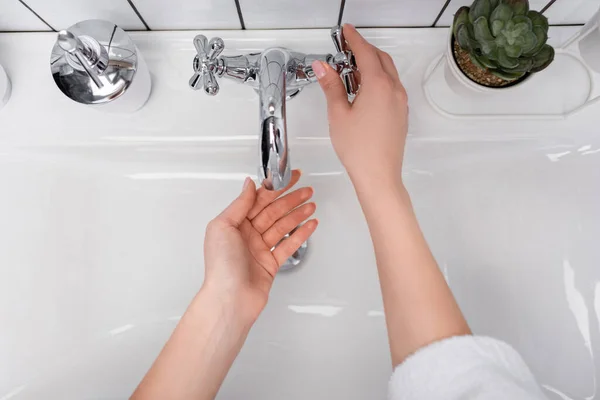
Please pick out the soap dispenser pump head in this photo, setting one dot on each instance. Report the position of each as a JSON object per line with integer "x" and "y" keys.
{"x": 74, "y": 46}
{"x": 94, "y": 62}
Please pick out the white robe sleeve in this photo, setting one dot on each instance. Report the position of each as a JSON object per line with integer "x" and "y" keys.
{"x": 464, "y": 367}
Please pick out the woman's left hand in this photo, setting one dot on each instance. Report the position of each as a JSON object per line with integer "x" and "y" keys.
{"x": 243, "y": 248}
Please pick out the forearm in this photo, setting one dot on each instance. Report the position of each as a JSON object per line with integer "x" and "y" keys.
{"x": 197, "y": 357}
{"x": 419, "y": 306}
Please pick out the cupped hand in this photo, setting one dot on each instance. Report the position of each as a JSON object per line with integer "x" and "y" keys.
{"x": 244, "y": 246}
{"x": 368, "y": 134}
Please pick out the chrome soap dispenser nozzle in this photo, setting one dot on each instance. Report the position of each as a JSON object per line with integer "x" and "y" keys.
{"x": 95, "y": 62}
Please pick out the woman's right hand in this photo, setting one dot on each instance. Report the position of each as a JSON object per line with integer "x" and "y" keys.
{"x": 368, "y": 135}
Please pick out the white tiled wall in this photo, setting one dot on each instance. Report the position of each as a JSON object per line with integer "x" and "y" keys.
{"x": 14, "y": 16}
{"x": 392, "y": 13}
{"x": 572, "y": 11}
{"x": 269, "y": 14}
{"x": 188, "y": 14}
{"x": 448, "y": 15}
{"x": 61, "y": 14}
{"x": 256, "y": 14}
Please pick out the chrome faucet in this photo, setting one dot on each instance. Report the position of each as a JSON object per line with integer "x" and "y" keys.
{"x": 276, "y": 74}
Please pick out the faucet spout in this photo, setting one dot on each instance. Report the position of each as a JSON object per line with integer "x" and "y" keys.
{"x": 274, "y": 169}
{"x": 276, "y": 74}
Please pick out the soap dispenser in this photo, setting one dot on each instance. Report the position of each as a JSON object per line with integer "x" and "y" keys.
{"x": 96, "y": 63}
{"x": 4, "y": 87}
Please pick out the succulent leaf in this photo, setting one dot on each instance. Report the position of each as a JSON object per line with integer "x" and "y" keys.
{"x": 497, "y": 27}
{"x": 480, "y": 8}
{"x": 504, "y": 37}
{"x": 522, "y": 24}
{"x": 525, "y": 65}
{"x": 514, "y": 51}
{"x": 505, "y": 61}
{"x": 543, "y": 58}
{"x": 483, "y": 62}
{"x": 502, "y": 13}
{"x": 482, "y": 30}
{"x": 475, "y": 61}
{"x": 462, "y": 37}
{"x": 520, "y": 7}
{"x": 542, "y": 38}
{"x": 493, "y": 54}
{"x": 461, "y": 17}
{"x": 530, "y": 41}
{"x": 537, "y": 19}
{"x": 508, "y": 76}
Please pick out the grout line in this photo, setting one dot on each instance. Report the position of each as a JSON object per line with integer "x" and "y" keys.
{"x": 441, "y": 13}
{"x": 135, "y": 10}
{"x": 547, "y": 6}
{"x": 37, "y": 15}
{"x": 240, "y": 15}
{"x": 399, "y": 27}
{"x": 286, "y": 29}
{"x": 341, "y": 14}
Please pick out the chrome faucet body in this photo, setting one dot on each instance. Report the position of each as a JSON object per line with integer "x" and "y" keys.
{"x": 277, "y": 74}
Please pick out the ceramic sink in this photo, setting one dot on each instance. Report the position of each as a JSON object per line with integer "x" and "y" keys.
{"x": 102, "y": 220}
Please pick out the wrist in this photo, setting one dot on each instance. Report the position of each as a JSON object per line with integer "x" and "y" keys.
{"x": 225, "y": 306}
{"x": 375, "y": 185}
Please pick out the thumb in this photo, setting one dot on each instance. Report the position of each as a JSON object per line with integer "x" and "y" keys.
{"x": 239, "y": 208}
{"x": 335, "y": 92}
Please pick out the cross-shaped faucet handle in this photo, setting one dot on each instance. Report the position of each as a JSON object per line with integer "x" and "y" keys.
{"x": 344, "y": 59}
{"x": 206, "y": 63}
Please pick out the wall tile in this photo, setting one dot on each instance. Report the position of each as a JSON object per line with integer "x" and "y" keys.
{"x": 572, "y": 11}
{"x": 63, "y": 13}
{"x": 448, "y": 16}
{"x": 189, "y": 14}
{"x": 392, "y": 12}
{"x": 290, "y": 13}
{"x": 14, "y": 16}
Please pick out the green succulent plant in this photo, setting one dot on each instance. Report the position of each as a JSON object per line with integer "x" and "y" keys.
{"x": 504, "y": 37}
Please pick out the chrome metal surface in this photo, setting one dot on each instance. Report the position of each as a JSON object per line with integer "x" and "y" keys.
{"x": 276, "y": 74}
{"x": 93, "y": 62}
{"x": 274, "y": 170}
{"x": 206, "y": 64}
{"x": 296, "y": 258}
{"x": 86, "y": 56}
{"x": 344, "y": 61}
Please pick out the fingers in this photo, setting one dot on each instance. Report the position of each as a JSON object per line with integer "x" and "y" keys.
{"x": 366, "y": 55}
{"x": 238, "y": 210}
{"x": 286, "y": 224}
{"x": 280, "y": 207}
{"x": 388, "y": 65}
{"x": 265, "y": 197}
{"x": 332, "y": 85}
{"x": 287, "y": 247}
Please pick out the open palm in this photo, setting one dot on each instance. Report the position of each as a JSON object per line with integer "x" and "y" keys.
{"x": 243, "y": 248}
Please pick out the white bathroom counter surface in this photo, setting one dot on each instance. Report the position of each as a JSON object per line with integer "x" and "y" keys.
{"x": 102, "y": 219}
{"x": 175, "y": 113}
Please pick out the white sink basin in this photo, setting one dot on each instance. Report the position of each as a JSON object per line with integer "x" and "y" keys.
{"x": 102, "y": 220}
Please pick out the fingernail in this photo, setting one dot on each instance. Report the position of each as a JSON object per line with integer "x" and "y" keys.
{"x": 246, "y": 183}
{"x": 350, "y": 26}
{"x": 319, "y": 69}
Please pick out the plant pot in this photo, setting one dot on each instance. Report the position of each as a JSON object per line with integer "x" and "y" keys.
{"x": 461, "y": 83}
{"x": 589, "y": 43}
{"x": 4, "y": 87}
